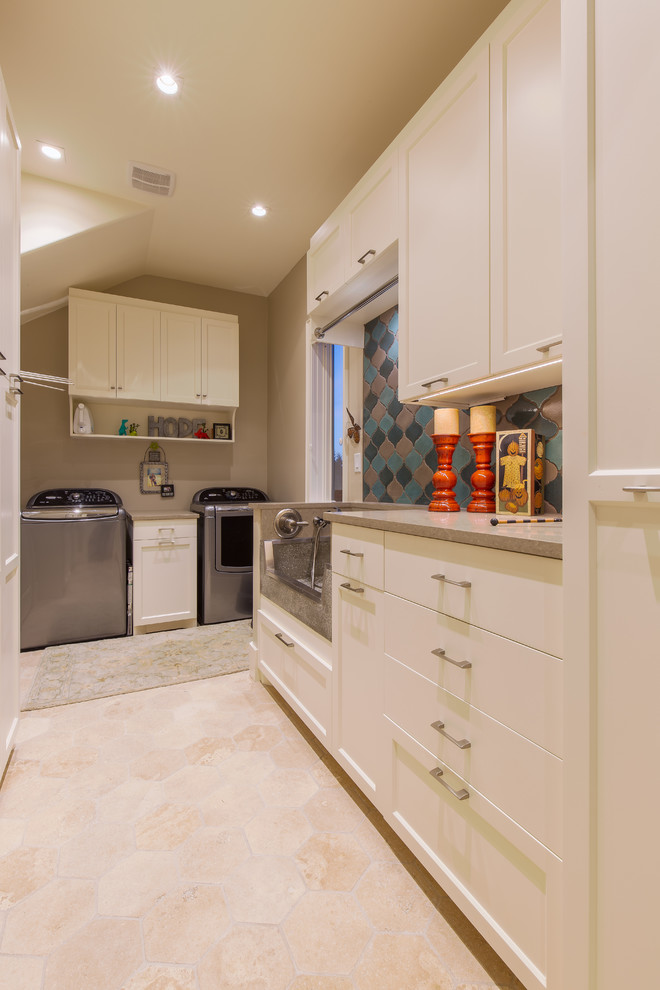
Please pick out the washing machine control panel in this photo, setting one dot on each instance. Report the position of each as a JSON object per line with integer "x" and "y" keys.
{"x": 58, "y": 497}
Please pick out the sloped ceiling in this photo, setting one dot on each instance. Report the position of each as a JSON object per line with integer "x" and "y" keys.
{"x": 285, "y": 102}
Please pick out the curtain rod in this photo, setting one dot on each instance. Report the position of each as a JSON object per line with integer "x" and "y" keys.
{"x": 321, "y": 331}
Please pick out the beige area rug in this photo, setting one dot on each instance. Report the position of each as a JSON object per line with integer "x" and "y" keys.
{"x": 105, "y": 667}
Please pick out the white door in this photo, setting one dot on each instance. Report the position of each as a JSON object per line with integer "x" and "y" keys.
{"x": 138, "y": 352}
{"x": 180, "y": 358}
{"x": 219, "y": 363}
{"x": 612, "y": 495}
{"x": 525, "y": 100}
{"x": 444, "y": 250}
{"x": 9, "y": 428}
{"x": 93, "y": 347}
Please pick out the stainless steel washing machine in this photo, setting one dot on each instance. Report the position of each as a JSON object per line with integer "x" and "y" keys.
{"x": 224, "y": 552}
{"x": 73, "y": 567}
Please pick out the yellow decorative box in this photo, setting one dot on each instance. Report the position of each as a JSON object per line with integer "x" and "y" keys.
{"x": 519, "y": 458}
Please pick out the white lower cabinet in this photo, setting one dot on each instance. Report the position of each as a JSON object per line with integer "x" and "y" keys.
{"x": 448, "y": 714}
{"x": 499, "y": 876}
{"x": 296, "y": 661}
{"x": 357, "y": 633}
{"x": 164, "y": 573}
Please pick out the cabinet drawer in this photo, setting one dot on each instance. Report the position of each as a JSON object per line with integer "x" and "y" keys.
{"x": 516, "y": 595}
{"x": 497, "y": 877}
{"x": 358, "y": 553}
{"x": 298, "y": 674}
{"x": 515, "y": 684}
{"x": 165, "y": 529}
{"x": 519, "y": 777}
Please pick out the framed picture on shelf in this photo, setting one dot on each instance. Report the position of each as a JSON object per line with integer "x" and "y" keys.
{"x": 152, "y": 477}
{"x": 222, "y": 431}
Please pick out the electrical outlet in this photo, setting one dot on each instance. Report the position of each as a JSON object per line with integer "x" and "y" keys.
{"x": 357, "y": 463}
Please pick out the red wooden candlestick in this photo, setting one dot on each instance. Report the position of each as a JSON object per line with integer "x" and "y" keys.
{"x": 444, "y": 479}
{"x": 483, "y": 479}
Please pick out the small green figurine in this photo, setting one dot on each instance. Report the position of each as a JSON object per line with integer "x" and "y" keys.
{"x": 122, "y": 428}
{"x": 133, "y": 429}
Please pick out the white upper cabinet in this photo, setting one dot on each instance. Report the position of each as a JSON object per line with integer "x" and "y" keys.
{"x": 444, "y": 246}
{"x": 354, "y": 238}
{"x": 200, "y": 360}
{"x": 138, "y": 353}
{"x": 140, "y": 350}
{"x": 371, "y": 216}
{"x": 93, "y": 347}
{"x": 219, "y": 362}
{"x": 181, "y": 365}
{"x": 325, "y": 262}
{"x": 525, "y": 208}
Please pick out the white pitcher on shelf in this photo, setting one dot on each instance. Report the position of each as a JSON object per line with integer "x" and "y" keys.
{"x": 82, "y": 419}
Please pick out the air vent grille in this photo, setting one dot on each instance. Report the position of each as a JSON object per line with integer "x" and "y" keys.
{"x": 151, "y": 179}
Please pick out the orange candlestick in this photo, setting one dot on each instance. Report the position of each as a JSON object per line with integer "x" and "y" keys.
{"x": 444, "y": 479}
{"x": 483, "y": 479}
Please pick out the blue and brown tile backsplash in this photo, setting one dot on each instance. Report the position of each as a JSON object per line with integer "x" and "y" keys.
{"x": 399, "y": 456}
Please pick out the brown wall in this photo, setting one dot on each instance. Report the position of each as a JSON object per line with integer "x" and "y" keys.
{"x": 286, "y": 387}
{"x": 50, "y": 457}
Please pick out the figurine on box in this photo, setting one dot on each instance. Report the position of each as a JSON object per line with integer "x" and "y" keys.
{"x": 519, "y": 472}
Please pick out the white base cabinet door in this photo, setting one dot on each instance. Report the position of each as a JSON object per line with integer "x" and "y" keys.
{"x": 164, "y": 574}
{"x": 358, "y": 731}
{"x": 296, "y": 661}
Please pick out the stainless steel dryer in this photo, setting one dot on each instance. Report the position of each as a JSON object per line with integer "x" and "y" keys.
{"x": 224, "y": 552}
{"x": 73, "y": 567}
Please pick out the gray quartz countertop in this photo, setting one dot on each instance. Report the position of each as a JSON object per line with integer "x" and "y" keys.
{"x": 539, "y": 539}
{"x": 155, "y": 515}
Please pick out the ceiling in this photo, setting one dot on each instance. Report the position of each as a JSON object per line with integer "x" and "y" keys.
{"x": 283, "y": 102}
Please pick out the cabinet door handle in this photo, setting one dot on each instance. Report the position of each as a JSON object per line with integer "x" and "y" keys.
{"x": 352, "y": 553}
{"x": 167, "y": 543}
{"x": 2, "y": 357}
{"x": 433, "y": 382}
{"x": 459, "y": 584}
{"x": 465, "y": 664}
{"x": 546, "y": 347}
{"x": 641, "y": 488}
{"x": 321, "y": 294}
{"x": 282, "y": 640}
{"x": 364, "y": 257}
{"x": 440, "y": 727}
{"x": 461, "y": 795}
{"x": 347, "y": 585}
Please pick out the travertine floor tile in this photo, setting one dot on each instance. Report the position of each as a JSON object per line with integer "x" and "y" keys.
{"x": 247, "y": 958}
{"x": 50, "y": 916}
{"x": 185, "y": 923}
{"x": 197, "y": 838}
{"x": 103, "y": 955}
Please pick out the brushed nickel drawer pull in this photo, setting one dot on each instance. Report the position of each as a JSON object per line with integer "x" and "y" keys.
{"x": 461, "y": 795}
{"x": 282, "y": 640}
{"x": 364, "y": 257}
{"x": 459, "y": 584}
{"x": 321, "y": 294}
{"x": 347, "y": 585}
{"x": 546, "y": 347}
{"x": 440, "y": 727}
{"x": 433, "y": 381}
{"x": 352, "y": 553}
{"x": 464, "y": 664}
{"x": 641, "y": 488}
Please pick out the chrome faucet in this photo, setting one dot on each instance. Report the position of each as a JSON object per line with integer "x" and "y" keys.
{"x": 319, "y": 524}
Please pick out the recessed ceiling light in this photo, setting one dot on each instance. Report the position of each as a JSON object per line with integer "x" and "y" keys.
{"x": 168, "y": 84}
{"x": 51, "y": 151}
{"x": 259, "y": 211}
